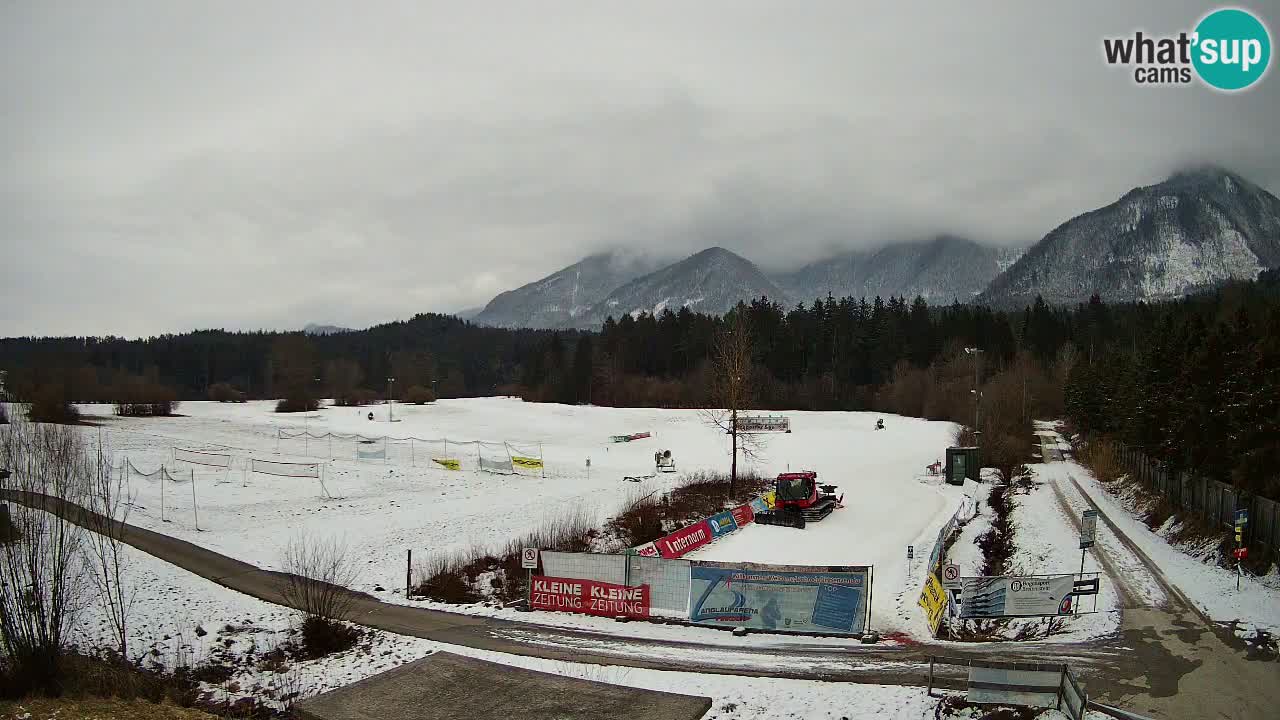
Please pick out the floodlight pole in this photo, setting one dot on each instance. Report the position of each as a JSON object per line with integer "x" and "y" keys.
{"x": 390, "y": 401}
{"x": 977, "y": 396}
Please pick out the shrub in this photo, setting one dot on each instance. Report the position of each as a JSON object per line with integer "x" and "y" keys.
{"x": 418, "y": 395}
{"x": 143, "y": 397}
{"x": 319, "y": 573}
{"x": 297, "y": 403}
{"x": 50, "y": 405}
{"x": 444, "y": 580}
{"x": 225, "y": 392}
{"x": 321, "y": 637}
{"x": 997, "y": 543}
{"x": 460, "y": 578}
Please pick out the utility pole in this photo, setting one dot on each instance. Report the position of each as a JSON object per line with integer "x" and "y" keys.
{"x": 390, "y": 400}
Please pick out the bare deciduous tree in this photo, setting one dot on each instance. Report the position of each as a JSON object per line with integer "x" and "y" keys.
{"x": 105, "y": 555}
{"x": 42, "y": 579}
{"x": 731, "y": 389}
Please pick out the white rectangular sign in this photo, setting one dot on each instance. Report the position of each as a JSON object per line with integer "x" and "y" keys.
{"x": 529, "y": 558}
{"x": 1088, "y": 528}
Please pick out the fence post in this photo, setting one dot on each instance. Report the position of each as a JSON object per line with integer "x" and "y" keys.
{"x": 929, "y": 691}
{"x": 1062, "y": 686}
{"x": 408, "y": 573}
{"x": 195, "y": 507}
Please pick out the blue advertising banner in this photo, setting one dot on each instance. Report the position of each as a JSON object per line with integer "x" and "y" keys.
{"x": 759, "y": 505}
{"x": 722, "y": 524}
{"x": 781, "y": 598}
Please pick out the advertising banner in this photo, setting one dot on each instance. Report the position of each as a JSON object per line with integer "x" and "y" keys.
{"x": 783, "y": 598}
{"x": 589, "y": 596}
{"x": 1010, "y": 596}
{"x": 768, "y": 499}
{"x": 684, "y": 540}
{"x": 757, "y": 423}
{"x": 743, "y": 515}
{"x": 721, "y": 524}
{"x": 933, "y": 598}
{"x": 758, "y": 506}
{"x": 646, "y": 550}
{"x": 447, "y": 463}
{"x": 526, "y": 462}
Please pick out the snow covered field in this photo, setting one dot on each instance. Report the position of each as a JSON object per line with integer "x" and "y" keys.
{"x": 383, "y": 509}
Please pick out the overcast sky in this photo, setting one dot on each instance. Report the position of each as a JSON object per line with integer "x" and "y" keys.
{"x": 172, "y": 165}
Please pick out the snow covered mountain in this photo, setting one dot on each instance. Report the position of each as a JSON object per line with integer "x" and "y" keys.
{"x": 558, "y": 299}
{"x": 943, "y": 269}
{"x": 1192, "y": 231}
{"x": 711, "y": 281}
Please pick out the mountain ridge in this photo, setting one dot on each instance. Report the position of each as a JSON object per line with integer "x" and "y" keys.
{"x": 1194, "y": 230}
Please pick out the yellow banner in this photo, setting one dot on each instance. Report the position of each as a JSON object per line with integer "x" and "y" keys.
{"x": 526, "y": 462}
{"x": 934, "y": 601}
{"x": 768, "y": 499}
{"x": 449, "y": 463}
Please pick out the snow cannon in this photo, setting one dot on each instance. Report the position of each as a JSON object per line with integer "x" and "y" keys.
{"x": 798, "y": 499}
{"x": 664, "y": 461}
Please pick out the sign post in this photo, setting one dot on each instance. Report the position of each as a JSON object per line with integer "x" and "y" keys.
{"x": 529, "y": 561}
{"x": 911, "y": 553}
{"x": 588, "y": 469}
{"x": 1088, "y": 535}
{"x": 1242, "y": 519}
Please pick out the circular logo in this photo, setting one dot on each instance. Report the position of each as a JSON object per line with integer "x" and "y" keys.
{"x": 1232, "y": 49}
{"x": 1015, "y": 586}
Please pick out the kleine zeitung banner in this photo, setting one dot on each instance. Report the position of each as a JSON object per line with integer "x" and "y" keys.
{"x": 590, "y": 597}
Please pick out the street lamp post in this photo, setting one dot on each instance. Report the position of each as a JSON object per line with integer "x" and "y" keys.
{"x": 390, "y": 399}
{"x": 977, "y": 395}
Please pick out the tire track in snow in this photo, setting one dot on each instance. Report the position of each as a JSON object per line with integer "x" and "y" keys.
{"x": 1172, "y": 593}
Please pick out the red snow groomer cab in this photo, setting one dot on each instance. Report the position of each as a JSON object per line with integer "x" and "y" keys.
{"x": 799, "y": 499}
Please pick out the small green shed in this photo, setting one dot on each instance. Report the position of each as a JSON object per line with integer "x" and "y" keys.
{"x": 962, "y": 462}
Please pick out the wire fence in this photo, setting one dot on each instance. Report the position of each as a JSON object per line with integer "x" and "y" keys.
{"x": 506, "y": 457}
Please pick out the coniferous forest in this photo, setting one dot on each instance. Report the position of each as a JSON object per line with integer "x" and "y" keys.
{"x": 1194, "y": 382}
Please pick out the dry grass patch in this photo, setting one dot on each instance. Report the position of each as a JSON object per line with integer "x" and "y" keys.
{"x": 97, "y": 708}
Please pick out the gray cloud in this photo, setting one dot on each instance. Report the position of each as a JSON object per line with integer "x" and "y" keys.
{"x": 169, "y": 165}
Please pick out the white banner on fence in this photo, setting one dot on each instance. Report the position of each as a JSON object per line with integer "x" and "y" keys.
{"x": 201, "y": 457}
{"x": 502, "y": 466}
{"x": 285, "y": 469}
{"x": 1012, "y": 596}
{"x": 586, "y": 566}
{"x": 668, "y": 582}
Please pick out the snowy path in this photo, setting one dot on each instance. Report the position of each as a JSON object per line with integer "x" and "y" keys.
{"x": 1157, "y": 568}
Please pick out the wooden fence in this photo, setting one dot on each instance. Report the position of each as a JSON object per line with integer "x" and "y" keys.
{"x": 1213, "y": 501}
